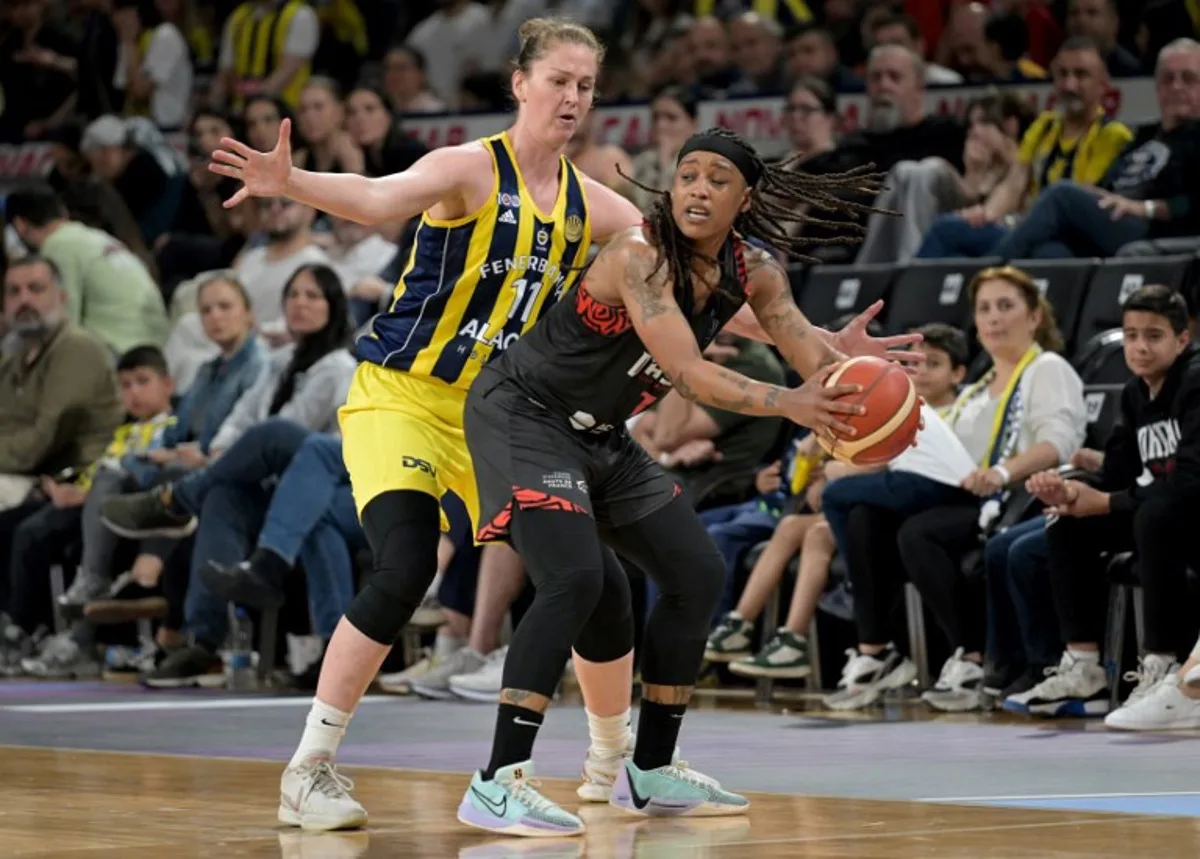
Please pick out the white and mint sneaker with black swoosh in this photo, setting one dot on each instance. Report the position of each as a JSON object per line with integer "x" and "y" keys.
{"x": 673, "y": 791}
{"x": 511, "y": 804}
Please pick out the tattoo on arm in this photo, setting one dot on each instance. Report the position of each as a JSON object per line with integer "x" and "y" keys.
{"x": 683, "y": 388}
{"x": 646, "y": 286}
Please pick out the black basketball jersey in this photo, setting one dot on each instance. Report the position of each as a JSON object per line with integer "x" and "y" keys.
{"x": 586, "y": 362}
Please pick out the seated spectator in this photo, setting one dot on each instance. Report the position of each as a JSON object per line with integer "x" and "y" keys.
{"x": 1100, "y": 20}
{"x": 73, "y": 512}
{"x": 149, "y": 179}
{"x": 1006, "y": 42}
{"x": 811, "y": 52}
{"x": 757, "y": 52}
{"x": 1075, "y": 140}
{"x": 154, "y": 65}
{"x": 249, "y": 65}
{"x": 710, "y": 450}
{"x": 901, "y": 29}
{"x": 448, "y": 38}
{"x": 1151, "y": 191}
{"x": 320, "y": 119}
{"x": 1024, "y": 415}
{"x": 807, "y": 533}
{"x": 406, "y": 84}
{"x": 37, "y": 70}
{"x": 673, "y": 114}
{"x": 385, "y": 145}
{"x": 56, "y": 380}
{"x": 897, "y": 127}
{"x": 358, "y": 254}
{"x": 708, "y": 40}
{"x": 923, "y": 189}
{"x": 1147, "y": 500}
{"x": 109, "y": 292}
{"x": 262, "y": 116}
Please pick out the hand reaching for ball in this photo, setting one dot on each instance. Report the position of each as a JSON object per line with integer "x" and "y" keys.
{"x": 817, "y": 407}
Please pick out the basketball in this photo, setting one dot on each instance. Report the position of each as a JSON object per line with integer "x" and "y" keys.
{"x": 893, "y": 412}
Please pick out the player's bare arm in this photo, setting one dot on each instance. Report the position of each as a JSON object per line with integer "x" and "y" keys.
{"x": 770, "y": 299}
{"x": 644, "y": 288}
{"x": 448, "y": 182}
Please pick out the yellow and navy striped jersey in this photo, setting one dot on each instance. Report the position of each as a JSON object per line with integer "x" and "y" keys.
{"x": 472, "y": 286}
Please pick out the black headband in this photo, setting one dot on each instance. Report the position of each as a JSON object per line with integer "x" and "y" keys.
{"x": 737, "y": 154}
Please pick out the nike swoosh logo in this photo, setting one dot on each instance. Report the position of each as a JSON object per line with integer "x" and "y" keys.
{"x": 495, "y": 808}
{"x": 330, "y": 724}
{"x": 518, "y": 720}
{"x": 639, "y": 802}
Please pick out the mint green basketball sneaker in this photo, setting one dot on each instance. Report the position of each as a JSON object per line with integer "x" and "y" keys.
{"x": 510, "y": 804}
{"x": 673, "y": 791}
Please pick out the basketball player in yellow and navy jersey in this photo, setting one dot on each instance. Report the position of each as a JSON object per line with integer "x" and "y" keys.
{"x": 506, "y": 223}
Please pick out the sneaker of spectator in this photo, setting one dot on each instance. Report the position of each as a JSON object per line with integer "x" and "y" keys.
{"x": 732, "y": 639}
{"x": 958, "y": 686}
{"x": 191, "y": 665}
{"x": 485, "y": 683}
{"x": 399, "y": 682}
{"x": 1155, "y": 704}
{"x": 16, "y": 644}
{"x": 435, "y": 683}
{"x": 62, "y": 658}
{"x": 1077, "y": 687}
{"x": 785, "y": 656}
{"x": 866, "y": 677}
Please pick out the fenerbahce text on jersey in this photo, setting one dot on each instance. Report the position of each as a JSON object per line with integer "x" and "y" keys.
{"x": 587, "y": 363}
{"x": 1156, "y": 446}
{"x": 474, "y": 285}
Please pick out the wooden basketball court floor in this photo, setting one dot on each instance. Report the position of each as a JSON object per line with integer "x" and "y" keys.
{"x": 96, "y": 770}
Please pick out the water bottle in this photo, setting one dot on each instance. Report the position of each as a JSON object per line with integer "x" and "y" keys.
{"x": 240, "y": 661}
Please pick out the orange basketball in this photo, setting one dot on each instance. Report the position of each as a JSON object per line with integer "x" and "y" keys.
{"x": 893, "y": 412}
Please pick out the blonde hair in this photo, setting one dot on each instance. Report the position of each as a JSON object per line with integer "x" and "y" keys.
{"x": 226, "y": 277}
{"x": 538, "y": 35}
{"x": 1047, "y": 335}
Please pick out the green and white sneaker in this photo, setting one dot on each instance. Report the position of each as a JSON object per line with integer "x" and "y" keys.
{"x": 784, "y": 657}
{"x": 673, "y": 791}
{"x": 730, "y": 640}
{"x": 510, "y": 804}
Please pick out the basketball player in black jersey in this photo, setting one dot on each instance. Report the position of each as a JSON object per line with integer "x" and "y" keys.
{"x": 559, "y": 476}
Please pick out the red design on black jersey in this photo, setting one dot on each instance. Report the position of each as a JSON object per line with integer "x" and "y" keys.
{"x": 604, "y": 319}
{"x": 526, "y": 499}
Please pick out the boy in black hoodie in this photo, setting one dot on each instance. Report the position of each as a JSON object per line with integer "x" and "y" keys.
{"x": 1147, "y": 499}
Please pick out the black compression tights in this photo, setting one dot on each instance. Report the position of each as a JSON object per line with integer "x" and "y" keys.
{"x": 582, "y": 595}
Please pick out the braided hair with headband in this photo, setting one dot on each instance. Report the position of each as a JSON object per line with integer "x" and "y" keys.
{"x": 778, "y": 195}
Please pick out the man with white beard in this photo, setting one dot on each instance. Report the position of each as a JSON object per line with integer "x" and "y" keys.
{"x": 896, "y": 127}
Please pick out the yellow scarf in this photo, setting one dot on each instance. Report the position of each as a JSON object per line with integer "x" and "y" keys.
{"x": 1006, "y": 396}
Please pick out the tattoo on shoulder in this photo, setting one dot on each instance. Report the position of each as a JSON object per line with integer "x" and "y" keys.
{"x": 647, "y": 286}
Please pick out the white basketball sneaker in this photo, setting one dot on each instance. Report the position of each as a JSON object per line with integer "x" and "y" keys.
{"x": 316, "y": 796}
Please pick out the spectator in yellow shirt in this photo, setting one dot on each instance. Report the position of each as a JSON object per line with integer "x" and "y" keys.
{"x": 1074, "y": 140}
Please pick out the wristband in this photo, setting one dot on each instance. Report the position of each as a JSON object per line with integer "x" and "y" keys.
{"x": 1004, "y": 473}
{"x": 1149, "y": 210}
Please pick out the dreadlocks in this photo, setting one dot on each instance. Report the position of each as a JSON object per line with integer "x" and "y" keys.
{"x": 780, "y": 197}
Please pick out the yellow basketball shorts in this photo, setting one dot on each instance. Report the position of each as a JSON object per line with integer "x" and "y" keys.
{"x": 402, "y": 432}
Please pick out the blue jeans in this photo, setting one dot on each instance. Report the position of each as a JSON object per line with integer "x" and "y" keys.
{"x": 898, "y": 491}
{"x": 312, "y": 519}
{"x": 1022, "y": 628}
{"x": 231, "y": 502}
{"x": 951, "y": 236}
{"x": 736, "y": 529}
{"x": 1066, "y": 221}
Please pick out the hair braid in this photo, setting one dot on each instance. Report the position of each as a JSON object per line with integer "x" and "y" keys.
{"x": 780, "y": 197}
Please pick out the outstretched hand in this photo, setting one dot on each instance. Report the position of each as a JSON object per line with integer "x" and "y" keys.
{"x": 818, "y": 407}
{"x": 854, "y": 341}
{"x": 262, "y": 174}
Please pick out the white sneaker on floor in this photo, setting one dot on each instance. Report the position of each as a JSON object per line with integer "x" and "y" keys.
{"x": 1152, "y": 669}
{"x": 600, "y": 771}
{"x": 435, "y": 683}
{"x": 61, "y": 658}
{"x": 485, "y": 683}
{"x": 400, "y": 682}
{"x": 316, "y": 796}
{"x": 1077, "y": 687}
{"x": 865, "y": 678}
{"x": 1163, "y": 708}
{"x": 957, "y": 687}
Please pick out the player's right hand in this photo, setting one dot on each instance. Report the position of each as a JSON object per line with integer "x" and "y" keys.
{"x": 817, "y": 407}
{"x": 262, "y": 174}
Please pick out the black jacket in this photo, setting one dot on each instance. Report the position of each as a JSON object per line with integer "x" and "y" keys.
{"x": 1156, "y": 447}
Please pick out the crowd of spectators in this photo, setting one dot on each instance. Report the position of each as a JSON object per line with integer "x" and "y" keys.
{"x": 166, "y": 358}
